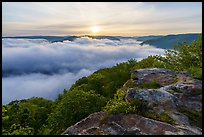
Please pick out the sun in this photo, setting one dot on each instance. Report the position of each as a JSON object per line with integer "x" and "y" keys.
{"x": 95, "y": 29}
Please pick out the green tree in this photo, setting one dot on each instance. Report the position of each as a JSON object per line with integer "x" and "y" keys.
{"x": 25, "y": 115}
{"x": 74, "y": 106}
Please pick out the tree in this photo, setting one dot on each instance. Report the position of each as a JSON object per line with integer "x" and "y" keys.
{"x": 25, "y": 116}
{"x": 74, "y": 106}
{"x": 184, "y": 57}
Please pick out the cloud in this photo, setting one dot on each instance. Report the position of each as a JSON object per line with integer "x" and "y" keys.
{"x": 39, "y": 68}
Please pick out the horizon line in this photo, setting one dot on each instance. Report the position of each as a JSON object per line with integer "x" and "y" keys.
{"x": 84, "y": 35}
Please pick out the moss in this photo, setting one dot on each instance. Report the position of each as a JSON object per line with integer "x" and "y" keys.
{"x": 195, "y": 117}
{"x": 150, "y": 85}
{"x": 164, "y": 117}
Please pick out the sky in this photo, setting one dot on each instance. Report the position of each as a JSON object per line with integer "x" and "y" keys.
{"x": 101, "y": 18}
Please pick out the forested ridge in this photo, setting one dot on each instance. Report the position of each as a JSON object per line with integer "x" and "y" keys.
{"x": 94, "y": 93}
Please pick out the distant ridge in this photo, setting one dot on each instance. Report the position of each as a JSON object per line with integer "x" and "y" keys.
{"x": 49, "y": 38}
{"x": 159, "y": 41}
{"x": 169, "y": 41}
{"x": 62, "y": 38}
{"x": 144, "y": 38}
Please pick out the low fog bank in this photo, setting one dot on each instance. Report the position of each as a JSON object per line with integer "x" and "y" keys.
{"x": 36, "y": 67}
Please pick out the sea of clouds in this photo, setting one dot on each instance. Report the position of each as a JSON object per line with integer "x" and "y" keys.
{"x": 36, "y": 67}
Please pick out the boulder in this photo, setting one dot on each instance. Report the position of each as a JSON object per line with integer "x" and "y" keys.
{"x": 177, "y": 89}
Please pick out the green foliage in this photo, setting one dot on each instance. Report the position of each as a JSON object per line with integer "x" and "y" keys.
{"x": 44, "y": 130}
{"x": 194, "y": 116}
{"x": 197, "y": 72}
{"x": 134, "y": 76}
{"x": 18, "y": 130}
{"x": 106, "y": 81}
{"x": 119, "y": 105}
{"x": 149, "y": 62}
{"x": 115, "y": 107}
{"x": 74, "y": 106}
{"x": 5, "y": 117}
{"x": 128, "y": 84}
{"x": 184, "y": 57}
{"x": 25, "y": 115}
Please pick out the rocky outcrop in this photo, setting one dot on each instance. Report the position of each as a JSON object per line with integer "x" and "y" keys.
{"x": 102, "y": 123}
{"x": 173, "y": 90}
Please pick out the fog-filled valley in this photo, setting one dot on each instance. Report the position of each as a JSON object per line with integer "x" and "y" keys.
{"x": 38, "y": 67}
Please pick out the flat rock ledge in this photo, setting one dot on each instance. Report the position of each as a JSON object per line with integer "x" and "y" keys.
{"x": 101, "y": 123}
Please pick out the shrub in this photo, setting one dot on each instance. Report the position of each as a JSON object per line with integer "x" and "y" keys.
{"x": 119, "y": 105}
{"x": 149, "y": 62}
